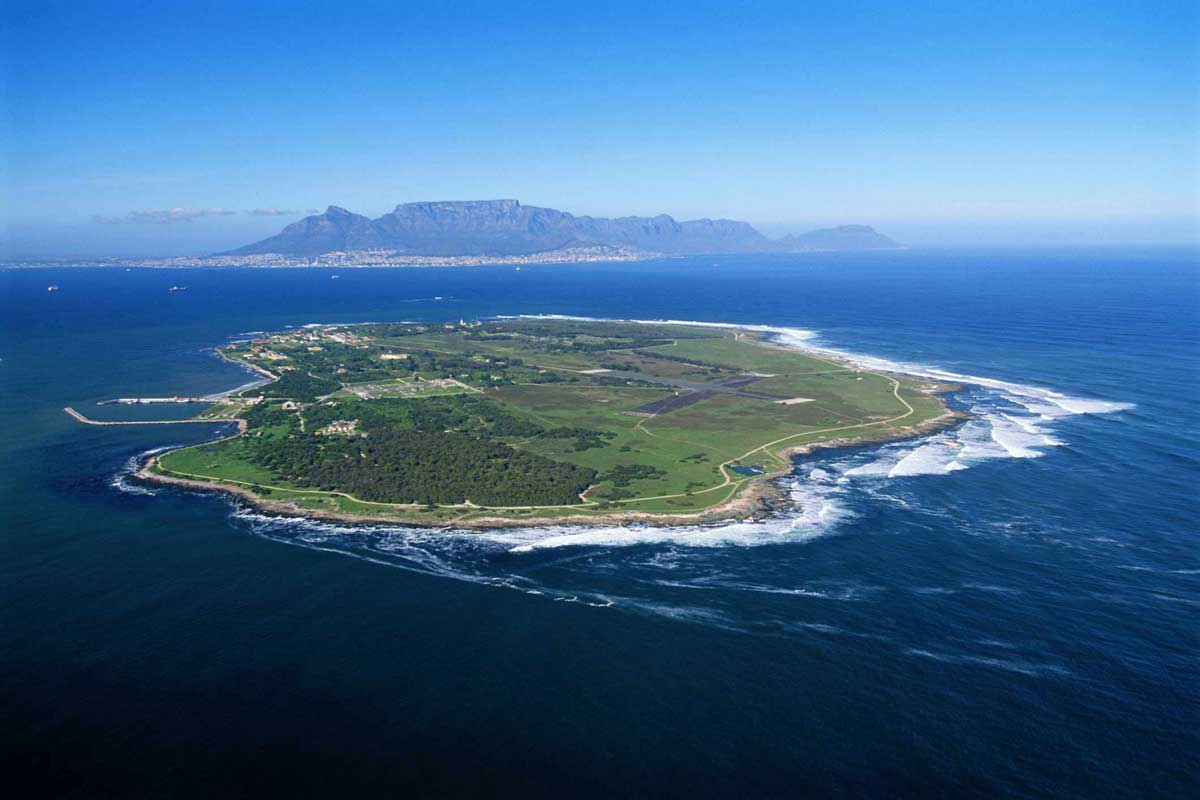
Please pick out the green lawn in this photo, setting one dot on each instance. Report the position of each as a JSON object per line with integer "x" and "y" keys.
{"x": 220, "y": 460}
{"x": 743, "y": 354}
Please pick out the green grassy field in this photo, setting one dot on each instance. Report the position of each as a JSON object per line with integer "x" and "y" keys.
{"x": 544, "y": 387}
{"x": 220, "y": 460}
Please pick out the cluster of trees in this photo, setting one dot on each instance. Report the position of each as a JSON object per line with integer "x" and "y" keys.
{"x": 408, "y": 466}
{"x": 356, "y": 363}
{"x": 463, "y": 413}
{"x": 585, "y": 438}
{"x": 361, "y": 365}
{"x": 269, "y": 415}
{"x": 438, "y": 450}
{"x": 623, "y": 474}
{"x": 705, "y": 366}
{"x": 477, "y": 335}
{"x": 296, "y": 385}
{"x": 342, "y": 363}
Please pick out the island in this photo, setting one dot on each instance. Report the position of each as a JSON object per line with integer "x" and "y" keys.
{"x": 536, "y": 421}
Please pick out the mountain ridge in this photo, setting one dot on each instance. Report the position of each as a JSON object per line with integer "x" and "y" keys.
{"x": 507, "y": 228}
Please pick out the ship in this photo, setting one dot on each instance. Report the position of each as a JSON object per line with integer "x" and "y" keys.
{"x": 177, "y": 289}
{"x": 52, "y": 287}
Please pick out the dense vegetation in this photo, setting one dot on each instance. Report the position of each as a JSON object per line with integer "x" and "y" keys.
{"x": 297, "y": 385}
{"x": 268, "y": 415}
{"x": 585, "y": 439}
{"x": 463, "y": 413}
{"x": 440, "y": 450}
{"x": 624, "y": 474}
{"x": 422, "y": 467}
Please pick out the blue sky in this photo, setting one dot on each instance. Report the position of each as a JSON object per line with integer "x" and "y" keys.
{"x": 938, "y": 122}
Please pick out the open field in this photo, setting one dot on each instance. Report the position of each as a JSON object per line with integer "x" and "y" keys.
{"x": 547, "y": 419}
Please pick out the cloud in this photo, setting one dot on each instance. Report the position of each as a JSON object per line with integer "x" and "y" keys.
{"x": 162, "y": 215}
{"x": 272, "y": 212}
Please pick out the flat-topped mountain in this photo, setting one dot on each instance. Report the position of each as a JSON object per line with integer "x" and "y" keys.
{"x": 505, "y": 227}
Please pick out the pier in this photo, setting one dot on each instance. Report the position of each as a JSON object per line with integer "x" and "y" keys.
{"x": 86, "y": 421}
{"x": 138, "y": 401}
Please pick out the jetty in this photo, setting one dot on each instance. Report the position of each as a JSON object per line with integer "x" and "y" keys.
{"x": 241, "y": 423}
{"x": 138, "y": 401}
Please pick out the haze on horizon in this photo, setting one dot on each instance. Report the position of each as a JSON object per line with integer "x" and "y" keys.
{"x": 187, "y": 128}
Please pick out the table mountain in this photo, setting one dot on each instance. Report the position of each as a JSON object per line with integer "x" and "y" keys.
{"x": 505, "y": 227}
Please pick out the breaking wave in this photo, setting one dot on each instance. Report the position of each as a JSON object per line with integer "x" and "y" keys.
{"x": 816, "y": 505}
{"x": 120, "y": 481}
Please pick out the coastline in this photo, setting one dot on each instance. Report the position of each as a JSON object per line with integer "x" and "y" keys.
{"x": 749, "y": 502}
{"x": 270, "y": 376}
{"x": 364, "y": 259}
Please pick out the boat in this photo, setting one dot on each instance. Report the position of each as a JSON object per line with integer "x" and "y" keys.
{"x": 52, "y": 287}
{"x": 334, "y": 277}
{"x": 177, "y": 289}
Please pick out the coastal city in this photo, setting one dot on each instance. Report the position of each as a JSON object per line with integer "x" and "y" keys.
{"x": 349, "y": 259}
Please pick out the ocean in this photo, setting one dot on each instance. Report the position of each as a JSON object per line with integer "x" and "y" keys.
{"x": 1010, "y": 608}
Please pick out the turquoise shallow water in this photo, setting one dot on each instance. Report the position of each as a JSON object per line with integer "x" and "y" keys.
{"x": 1006, "y": 609}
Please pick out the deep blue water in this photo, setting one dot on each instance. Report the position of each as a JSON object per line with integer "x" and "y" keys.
{"x": 1008, "y": 609}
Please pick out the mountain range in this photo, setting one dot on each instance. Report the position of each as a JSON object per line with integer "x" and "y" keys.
{"x": 507, "y": 228}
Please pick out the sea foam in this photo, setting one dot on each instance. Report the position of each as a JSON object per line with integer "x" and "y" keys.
{"x": 120, "y": 481}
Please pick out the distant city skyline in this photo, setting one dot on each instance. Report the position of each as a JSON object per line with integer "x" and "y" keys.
{"x": 134, "y": 129}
